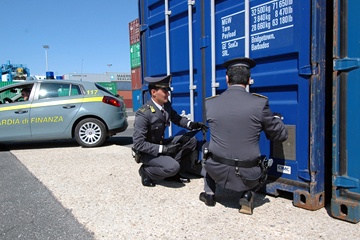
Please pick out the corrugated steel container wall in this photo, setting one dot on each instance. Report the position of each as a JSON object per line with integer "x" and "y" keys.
{"x": 3, "y": 95}
{"x": 289, "y": 50}
{"x": 135, "y": 60}
{"x": 126, "y": 94}
{"x": 345, "y": 202}
{"x": 127, "y": 97}
{"x": 137, "y": 99}
{"x": 128, "y": 103}
{"x": 4, "y": 84}
{"x": 123, "y": 85}
{"x": 134, "y": 31}
{"x": 136, "y": 80}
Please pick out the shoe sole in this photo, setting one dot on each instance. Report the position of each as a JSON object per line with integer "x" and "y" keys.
{"x": 246, "y": 207}
{"x": 246, "y": 210}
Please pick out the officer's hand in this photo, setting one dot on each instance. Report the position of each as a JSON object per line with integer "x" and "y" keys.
{"x": 198, "y": 125}
{"x": 279, "y": 116}
{"x": 170, "y": 149}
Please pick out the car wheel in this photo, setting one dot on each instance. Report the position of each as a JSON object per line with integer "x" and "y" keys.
{"x": 90, "y": 132}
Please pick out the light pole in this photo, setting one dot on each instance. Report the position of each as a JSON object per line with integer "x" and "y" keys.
{"x": 46, "y": 47}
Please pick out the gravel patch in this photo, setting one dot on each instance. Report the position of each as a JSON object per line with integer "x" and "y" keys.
{"x": 102, "y": 189}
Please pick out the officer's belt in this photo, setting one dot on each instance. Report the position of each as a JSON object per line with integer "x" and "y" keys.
{"x": 235, "y": 162}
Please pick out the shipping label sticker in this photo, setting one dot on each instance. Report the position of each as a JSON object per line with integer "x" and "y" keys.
{"x": 283, "y": 169}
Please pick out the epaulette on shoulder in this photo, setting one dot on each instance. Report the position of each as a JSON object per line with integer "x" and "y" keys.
{"x": 259, "y": 95}
{"x": 211, "y": 97}
{"x": 144, "y": 108}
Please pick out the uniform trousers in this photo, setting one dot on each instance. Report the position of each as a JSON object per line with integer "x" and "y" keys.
{"x": 226, "y": 177}
{"x": 163, "y": 166}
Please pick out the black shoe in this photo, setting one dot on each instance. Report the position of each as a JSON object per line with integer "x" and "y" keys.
{"x": 145, "y": 179}
{"x": 246, "y": 203}
{"x": 177, "y": 178}
{"x": 208, "y": 199}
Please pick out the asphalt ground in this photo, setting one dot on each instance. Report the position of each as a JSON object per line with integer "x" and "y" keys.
{"x": 58, "y": 190}
{"x": 28, "y": 210}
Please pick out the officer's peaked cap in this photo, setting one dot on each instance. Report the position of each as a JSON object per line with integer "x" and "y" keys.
{"x": 159, "y": 82}
{"x": 240, "y": 62}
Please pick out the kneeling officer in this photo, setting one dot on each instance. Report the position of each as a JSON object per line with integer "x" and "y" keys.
{"x": 236, "y": 118}
{"x": 161, "y": 157}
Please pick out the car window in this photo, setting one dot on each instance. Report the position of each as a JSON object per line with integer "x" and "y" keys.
{"x": 16, "y": 94}
{"x": 53, "y": 90}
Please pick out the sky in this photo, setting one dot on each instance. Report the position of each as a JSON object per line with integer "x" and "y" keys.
{"x": 83, "y": 36}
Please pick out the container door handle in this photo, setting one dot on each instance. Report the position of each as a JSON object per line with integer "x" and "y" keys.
{"x": 346, "y": 64}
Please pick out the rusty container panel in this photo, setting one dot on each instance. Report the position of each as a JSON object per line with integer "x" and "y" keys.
{"x": 134, "y": 31}
{"x": 126, "y": 94}
{"x": 136, "y": 80}
{"x": 128, "y": 103}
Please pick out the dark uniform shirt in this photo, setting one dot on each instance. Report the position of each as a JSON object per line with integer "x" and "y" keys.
{"x": 150, "y": 124}
{"x": 236, "y": 119}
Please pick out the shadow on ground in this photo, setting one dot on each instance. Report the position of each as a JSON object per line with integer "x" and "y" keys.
{"x": 116, "y": 140}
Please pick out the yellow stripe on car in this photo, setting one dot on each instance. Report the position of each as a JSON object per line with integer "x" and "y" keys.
{"x": 9, "y": 106}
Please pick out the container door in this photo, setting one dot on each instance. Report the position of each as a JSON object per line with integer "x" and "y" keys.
{"x": 290, "y": 52}
{"x": 176, "y": 49}
{"x": 287, "y": 40}
{"x": 345, "y": 202}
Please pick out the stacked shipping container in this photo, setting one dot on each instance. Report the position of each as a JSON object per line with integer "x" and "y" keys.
{"x": 136, "y": 83}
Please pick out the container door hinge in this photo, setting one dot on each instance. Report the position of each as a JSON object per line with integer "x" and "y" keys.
{"x": 346, "y": 64}
{"x": 346, "y": 182}
{"x": 304, "y": 175}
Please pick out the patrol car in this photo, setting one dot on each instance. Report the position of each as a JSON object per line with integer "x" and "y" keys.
{"x": 60, "y": 109}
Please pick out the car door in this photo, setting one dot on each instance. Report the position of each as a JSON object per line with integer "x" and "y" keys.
{"x": 53, "y": 112}
{"x": 14, "y": 114}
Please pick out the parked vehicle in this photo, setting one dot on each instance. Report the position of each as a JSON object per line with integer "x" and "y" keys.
{"x": 58, "y": 109}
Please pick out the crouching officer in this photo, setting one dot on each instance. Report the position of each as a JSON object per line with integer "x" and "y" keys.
{"x": 236, "y": 118}
{"x": 161, "y": 157}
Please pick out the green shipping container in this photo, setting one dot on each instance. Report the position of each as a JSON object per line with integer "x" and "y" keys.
{"x": 110, "y": 86}
{"x": 135, "y": 55}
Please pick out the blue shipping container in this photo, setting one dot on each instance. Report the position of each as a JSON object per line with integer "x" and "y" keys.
{"x": 137, "y": 99}
{"x": 287, "y": 40}
{"x": 123, "y": 85}
{"x": 345, "y": 202}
